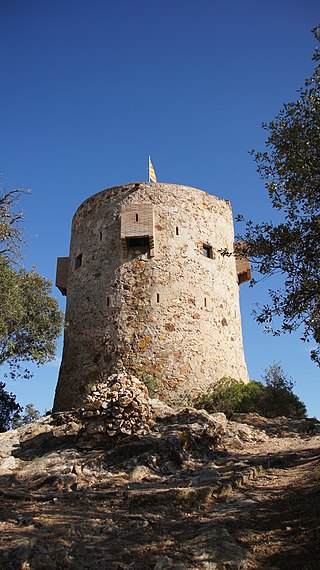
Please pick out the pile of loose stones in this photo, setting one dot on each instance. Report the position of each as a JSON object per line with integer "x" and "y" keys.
{"x": 117, "y": 408}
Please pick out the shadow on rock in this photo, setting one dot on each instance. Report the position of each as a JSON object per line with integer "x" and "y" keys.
{"x": 42, "y": 444}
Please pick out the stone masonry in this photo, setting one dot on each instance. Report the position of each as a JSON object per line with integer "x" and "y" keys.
{"x": 149, "y": 291}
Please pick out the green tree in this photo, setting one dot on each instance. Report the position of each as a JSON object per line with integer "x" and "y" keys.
{"x": 9, "y": 409}
{"x": 30, "y": 414}
{"x": 279, "y": 398}
{"x": 275, "y": 377}
{"x": 30, "y": 319}
{"x": 290, "y": 166}
{"x": 11, "y": 217}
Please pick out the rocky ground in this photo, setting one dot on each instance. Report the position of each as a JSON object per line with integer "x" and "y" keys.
{"x": 174, "y": 490}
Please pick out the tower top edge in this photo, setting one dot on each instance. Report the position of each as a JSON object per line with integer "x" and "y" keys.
{"x": 151, "y": 186}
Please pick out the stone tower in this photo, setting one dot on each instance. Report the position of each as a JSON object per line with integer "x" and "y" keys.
{"x": 148, "y": 290}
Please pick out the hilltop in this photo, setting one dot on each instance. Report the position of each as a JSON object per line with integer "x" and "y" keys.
{"x": 180, "y": 490}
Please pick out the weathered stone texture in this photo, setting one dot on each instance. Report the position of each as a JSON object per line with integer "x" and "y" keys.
{"x": 114, "y": 409}
{"x": 166, "y": 307}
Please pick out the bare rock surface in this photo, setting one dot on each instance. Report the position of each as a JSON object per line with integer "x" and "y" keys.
{"x": 280, "y": 426}
{"x": 178, "y": 490}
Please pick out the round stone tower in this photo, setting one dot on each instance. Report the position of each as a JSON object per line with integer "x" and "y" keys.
{"x": 148, "y": 290}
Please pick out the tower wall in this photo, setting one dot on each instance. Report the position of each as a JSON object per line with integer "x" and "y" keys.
{"x": 147, "y": 289}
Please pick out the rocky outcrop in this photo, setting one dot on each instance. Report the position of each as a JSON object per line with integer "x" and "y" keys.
{"x": 81, "y": 489}
{"x": 280, "y": 426}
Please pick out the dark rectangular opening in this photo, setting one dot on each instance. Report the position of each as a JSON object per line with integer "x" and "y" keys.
{"x": 137, "y": 217}
{"x": 138, "y": 242}
{"x": 158, "y": 298}
{"x": 100, "y": 236}
{"x": 177, "y": 231}
{"x": 205, "y": 301}
{"x": 78, "y": 261}
{"x": 108, "y": 301}
{"x": 207, "y": 250}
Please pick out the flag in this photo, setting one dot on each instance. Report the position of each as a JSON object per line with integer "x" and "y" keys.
{"x": 152, "y": 174}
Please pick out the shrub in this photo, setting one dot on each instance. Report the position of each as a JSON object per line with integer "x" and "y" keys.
{"x": 275, "y": 398}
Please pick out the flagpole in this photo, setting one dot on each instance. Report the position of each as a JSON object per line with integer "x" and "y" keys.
{"x": 149, "y": 168}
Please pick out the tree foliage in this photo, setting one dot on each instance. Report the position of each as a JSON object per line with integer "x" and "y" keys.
{"x": 30, "y": 319}
{"x": 11, "y": 217}
{"x": 290, "y": 166}
{"x": 30, "y": 414}
{"x": 9, "y": 409}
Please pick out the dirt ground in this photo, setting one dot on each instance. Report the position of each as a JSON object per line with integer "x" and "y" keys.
{"x": 269, "y": 520}
{"x": 281, "y": 529}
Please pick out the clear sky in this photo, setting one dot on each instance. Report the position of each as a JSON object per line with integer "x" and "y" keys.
{"x": 90, "y": 88}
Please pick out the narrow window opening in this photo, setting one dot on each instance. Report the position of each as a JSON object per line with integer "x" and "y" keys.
{"x": 137, "y": 217}
{"x": 207, "y": 251}
{"x": 100, "y": 236}
{"x": 108, "y": 301}
{"x": 78, "y": 261}
{"x": 158, "y": 298}
{"x": 205, "y": 301}
{"x": 177, "y": 231}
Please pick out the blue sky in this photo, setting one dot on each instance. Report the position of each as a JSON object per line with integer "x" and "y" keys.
{"x": 90, "y": 89}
